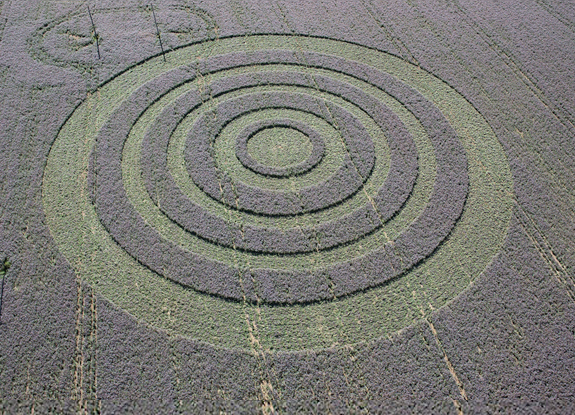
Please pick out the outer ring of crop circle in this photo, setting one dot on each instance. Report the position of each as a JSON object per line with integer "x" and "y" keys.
{"x": 494, "y": 183}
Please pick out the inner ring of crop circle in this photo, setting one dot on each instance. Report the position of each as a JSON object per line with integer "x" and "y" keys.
{"x": 205, "y": 172}
{"x": 175, "y": 204}
{"x": 247, "y": 136}
{"x": 252, "y": 259}
{"x": 491, "y": 190}
{"x": 225, "y": 149}
{"x": 427, "y": 176}
{"x": 268, "y": 183}
{"x": 114, "y": 146}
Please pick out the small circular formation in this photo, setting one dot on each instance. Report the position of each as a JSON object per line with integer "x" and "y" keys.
{"x": 400, "y": 172}
{"x": 68, "y": 41}
{"x": 243, "y": 155}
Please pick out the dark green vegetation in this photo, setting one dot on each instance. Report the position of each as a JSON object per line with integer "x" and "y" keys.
{"x": 261, "y": 207}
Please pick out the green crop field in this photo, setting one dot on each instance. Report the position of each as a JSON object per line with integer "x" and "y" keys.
{"x": 287, "y": 207}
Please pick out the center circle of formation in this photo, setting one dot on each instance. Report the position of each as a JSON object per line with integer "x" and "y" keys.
{"x": 209, "y": 175}
{"x": 278, "y": 147}
{"x": 292, "y": 142}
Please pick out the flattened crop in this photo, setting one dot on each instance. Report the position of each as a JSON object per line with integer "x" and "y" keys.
{"x": 402, "y": 200}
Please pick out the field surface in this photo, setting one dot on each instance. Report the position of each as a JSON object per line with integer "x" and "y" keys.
{"x": 287, "y": 207}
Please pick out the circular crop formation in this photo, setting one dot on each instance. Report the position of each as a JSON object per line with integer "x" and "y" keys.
{"x": 125, "y": 33}
{"x": 322, "y": 191}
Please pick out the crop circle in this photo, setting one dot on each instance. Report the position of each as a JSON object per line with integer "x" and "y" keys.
{"x": 69, "y": 41}
{"x": 403, "y": 201}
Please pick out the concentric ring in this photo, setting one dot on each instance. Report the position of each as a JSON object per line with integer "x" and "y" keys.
{"x": 242, "y": 152}
{"x": 220, "y": 236}
{"x": 127, "y": 228}
{"x": 347, "y": 180}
